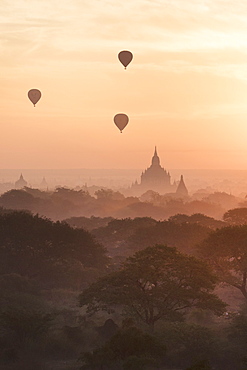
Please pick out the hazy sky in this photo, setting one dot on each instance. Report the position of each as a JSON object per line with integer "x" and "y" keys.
{"x": 185, "y": 90}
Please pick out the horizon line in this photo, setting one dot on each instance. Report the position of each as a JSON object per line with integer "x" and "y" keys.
{"x": 119, "y": 169}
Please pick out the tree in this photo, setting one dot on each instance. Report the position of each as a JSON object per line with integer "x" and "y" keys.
{"x": 156, "y": 283}
{"x": 26, "y": 324}
{"x": 129, "y": 348}
{"x": 183, "y": 236}
{"x": 151, "y": 196}
{"x": 87, "y": 223}
{"x": 117, "y": 230}
{"x": 189, "y": 344}
{"x": 236, "y": 216}
{"x": 226, "y": 251}
{"x": 18, "y": 199}
{"x": 115, "y": 235}
{"x": 108, "y": 194}
{"x": 24, "y": 315}
{"x": 238, "y": 329}
{"x": 75, "y": 197}
{"x": 197, "y": 218}
{"x": 36, "y": 247}
{"x": 225, "y": 200}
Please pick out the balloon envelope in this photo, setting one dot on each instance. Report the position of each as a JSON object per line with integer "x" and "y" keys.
{"x": 121, "y": 120}
{"x": 125, "y": 57}
{"x": 34, "y": 95}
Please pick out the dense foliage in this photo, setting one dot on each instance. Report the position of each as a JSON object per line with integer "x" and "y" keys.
{"x": 49, "y": 251}
{"x": 156, "y": 283}
{"x": 126, "y": 236}
{"x": 226, "y": 251}
{"x": 236, "y": 216}
{"x": 129, "y": 348}
{"x": 166, "y": 297}
{"x": 63, "y": 203}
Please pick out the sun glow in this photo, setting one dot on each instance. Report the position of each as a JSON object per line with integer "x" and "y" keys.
{"x": 185, "y": 89}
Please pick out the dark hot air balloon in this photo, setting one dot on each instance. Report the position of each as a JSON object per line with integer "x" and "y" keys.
{"x": 34, "y": 95}
{"x": 125, "y": 57}
{"x": 121, "y": 120}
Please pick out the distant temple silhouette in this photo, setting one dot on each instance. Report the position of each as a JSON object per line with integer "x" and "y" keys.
{"x": 43, "y": 185}
{"x": 21, "y": 183}
{"x": 181, "y": 189}
{"x": 158, "y": 179}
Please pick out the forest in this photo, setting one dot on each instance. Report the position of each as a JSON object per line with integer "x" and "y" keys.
{"x": 63, "y": 202}
{"x": 84, "y": 293}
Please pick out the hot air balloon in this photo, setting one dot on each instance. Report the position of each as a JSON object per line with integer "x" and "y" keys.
{"x": 125, "y": 57}
{"x": 34, "y": 95}
{"x": 121, "y": 120}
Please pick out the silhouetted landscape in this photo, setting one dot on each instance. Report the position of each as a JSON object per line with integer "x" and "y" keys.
{"x": 123, "y": 185}
{"x": 146, "y": 276}
{"x": 64, "y": 203}
{"x": 92, "y": 282}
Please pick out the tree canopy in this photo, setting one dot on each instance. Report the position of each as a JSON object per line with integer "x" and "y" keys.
{"x": 129, "y": 348}
{"x": 236, "y": 216}
{"x": 226, "y": 250}
{"x": 197, "y": 218}
{"x": 156, "y": 283}
{"x": 35, "y": 246}
{"x": 183, "y": 236}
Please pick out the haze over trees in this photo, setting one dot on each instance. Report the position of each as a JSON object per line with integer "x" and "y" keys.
{"x": 226, "y": 250}
{"x": 145, "y": 300}
{"x": 126, "y": 236}
{"x": 236, "y": 216}
{"x": 49, "y": 252}
{"x": 64, "y": 203}
{"x": 156, "y": 283}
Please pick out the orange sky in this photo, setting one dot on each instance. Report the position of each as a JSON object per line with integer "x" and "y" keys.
{"x": 185, "y": 90}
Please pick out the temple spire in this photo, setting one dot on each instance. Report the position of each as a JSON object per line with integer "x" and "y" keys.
{"x": 155, "y": 159}
{"x": 181, "y": 189}
{"x": 21, "y": 183}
